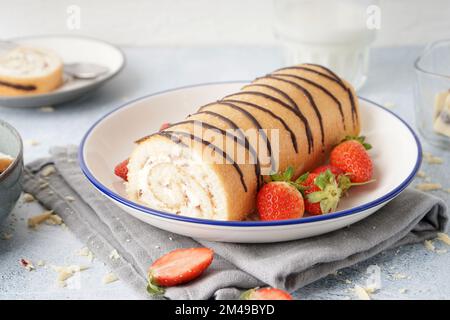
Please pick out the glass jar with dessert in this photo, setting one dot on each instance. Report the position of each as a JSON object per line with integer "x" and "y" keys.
{"x": 432, "y": 93}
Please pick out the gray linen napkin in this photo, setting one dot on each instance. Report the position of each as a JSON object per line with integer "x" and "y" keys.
{"x": 412, "y": 217}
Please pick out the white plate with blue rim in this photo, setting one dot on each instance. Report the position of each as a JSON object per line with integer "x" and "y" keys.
{"x": 71, "y": 49}
{"x": 396, "y": 155}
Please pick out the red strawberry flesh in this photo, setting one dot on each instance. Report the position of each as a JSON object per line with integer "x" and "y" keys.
{"x": 121, "y": 170}
{"x": 180, "y": 266}
{"x": 334, "y": 170}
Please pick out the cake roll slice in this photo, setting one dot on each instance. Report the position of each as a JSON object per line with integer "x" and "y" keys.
{"x": 211, "y": 164}
{"x": 25, "y": 71}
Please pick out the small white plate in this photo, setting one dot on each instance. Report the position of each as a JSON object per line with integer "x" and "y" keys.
{"x": 396, "y": 155}
{"x": 71, "y": 49}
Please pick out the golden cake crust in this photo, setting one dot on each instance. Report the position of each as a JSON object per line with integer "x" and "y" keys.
{"x": 19, "y": 77}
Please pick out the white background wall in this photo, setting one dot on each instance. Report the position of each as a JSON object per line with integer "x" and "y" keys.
{"x": 204, "y": 22}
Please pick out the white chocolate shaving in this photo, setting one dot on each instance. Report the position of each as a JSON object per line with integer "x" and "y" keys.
{"x": 28, "y": 197}
{"x": 421, "y": 174}
{"x": 429, "y": 245}
{"x": 114, "y": 255}
{"x": 110, "y": 277}
{"x": 428, "y": 186}
{"x": 361, "y": 293}
{"x": 444, "y": 238}
{"x": 36, "y": 220}
{"x": 47, "y": 171}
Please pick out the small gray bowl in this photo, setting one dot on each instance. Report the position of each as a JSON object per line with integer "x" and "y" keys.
{"x": 11, "y": 178}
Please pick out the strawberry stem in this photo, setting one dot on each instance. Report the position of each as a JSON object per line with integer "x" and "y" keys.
{"x": 330, "y": 192}
{"x": 153, "y": 288}
{"x": 246, "y": 295}
{"x": 302, "y": 178}
{"x": 360, "y": 139}
{"x": 362, "y": 183}
{"x": 284, "y": 176}
{"x": 345, "y": 183}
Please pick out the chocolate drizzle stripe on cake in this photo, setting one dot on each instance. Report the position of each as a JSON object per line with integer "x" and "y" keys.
{"x": 236, "y": 127}
{"x": 351, "y": 96}
{"x": 280, "y": 92}
{"x": 295, "y": 110}
{"x": 168, "y": 136}
{"x": 255, "y": 122}
{"x": 334, "y": 78}
{"x": 23, "y": 87}
{"x": 172, "y": 134}
{"x": 321, "y": 88}
{"x": 243, "y": 142}
{"x": 311, "y": 101}
{"x": 273, "y": 115}
{"x": 326, "y": 69}
{"x": 324, "y": 75}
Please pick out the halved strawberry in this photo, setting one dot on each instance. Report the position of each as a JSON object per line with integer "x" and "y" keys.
{"x": 266, "y": 294}
{"x": 177, "y": 267}
{"x": 121, "y": 170}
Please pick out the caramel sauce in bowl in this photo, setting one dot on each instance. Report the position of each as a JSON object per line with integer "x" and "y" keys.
{"x": 11, "y": 168}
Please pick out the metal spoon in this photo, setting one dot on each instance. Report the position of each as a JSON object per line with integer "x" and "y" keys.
{"x": 79, "y": 70}
{"x": 84, "y": 70}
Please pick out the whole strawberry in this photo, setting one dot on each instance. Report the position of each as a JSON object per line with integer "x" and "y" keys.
{"x": 351, "y": 157}
{"x": 322, "y": 192}
{"x": 280, "y": 199}
{"x": 265, "y": 294}
{"x": 334, "y": 170}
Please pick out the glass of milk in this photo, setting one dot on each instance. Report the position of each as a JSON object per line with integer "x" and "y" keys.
{"x": 335, "y": 34}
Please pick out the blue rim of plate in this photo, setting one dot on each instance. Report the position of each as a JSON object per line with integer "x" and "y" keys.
{"x": 106, "y": 191}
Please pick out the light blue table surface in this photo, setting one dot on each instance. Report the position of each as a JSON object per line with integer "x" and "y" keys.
{"x": 149, "y": 70}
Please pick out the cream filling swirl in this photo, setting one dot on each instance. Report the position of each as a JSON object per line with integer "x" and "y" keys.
{"x": 27, "y": 62}
{"x": 177, "y": 185}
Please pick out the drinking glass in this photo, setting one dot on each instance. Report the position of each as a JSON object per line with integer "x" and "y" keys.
{"x": 335, "y": 34}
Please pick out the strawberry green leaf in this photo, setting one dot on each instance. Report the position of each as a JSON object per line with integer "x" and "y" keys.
{"x": 246, "y": 295}
{"x": 317, "y": 196}
{"x": 328, "y": 205}
{"x": 329, "y": 194}
{"x": 302, "y": 178}
{"x": 299, "y": 187}
{"x": 323, "y": 179}
{"x": 360, "y": 139}
{"x": 153, "y": 288}
{"x": 344, "y": 182}
{"x": 276, "y": 177}
{"x": 287, "y": 175}
{"x": 367, "y": 146}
